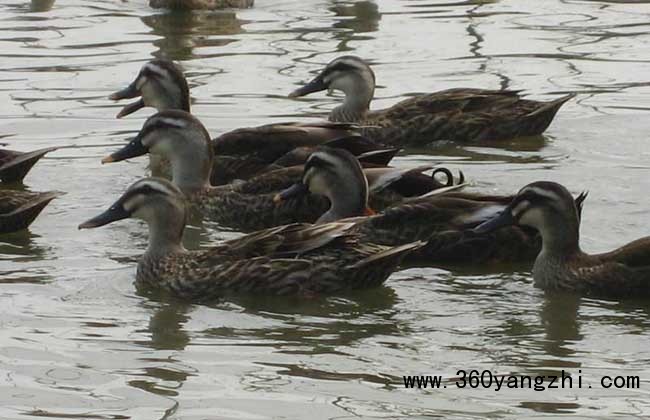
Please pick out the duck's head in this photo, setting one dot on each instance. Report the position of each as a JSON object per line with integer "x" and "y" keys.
{"x": 337, "y": 175}
{"x": 160, "y": 84}
{"x": 157, "y": 202}
{"x": 545, "y": 206}
{"x": 147, "y": 199}
{"x": 349, "y": 74}
{"x": 178, "y": 137}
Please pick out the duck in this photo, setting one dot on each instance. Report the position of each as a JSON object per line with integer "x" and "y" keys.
{"x": 298, "y": 259}
{"x": 561, "y": 265}
{"x": 180, "y": 138}
{"x": 15, "y": 165}
{"x": 18, "y": 209}
{"x": 201, "y": 4}
{"x": 457, "y": 115}
{"x": 244, "y": 152}
{"x": 444, "y": 219}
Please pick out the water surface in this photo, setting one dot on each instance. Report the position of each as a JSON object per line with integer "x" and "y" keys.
{"x": 78, "y": 341}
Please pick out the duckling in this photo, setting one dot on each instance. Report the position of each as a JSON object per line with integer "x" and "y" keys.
{"x": 444, "y": 219}
{"x": 459, "y": 115}
{"x": 201, "y": 4}
{"x": 561, "y": 264}
{"x": 180, "y": 138}
{"x": 14, "y": 165}
{"x": 18, "y": 209}
{"x": 288, "y": 260}
{"x": 242, "y": 153}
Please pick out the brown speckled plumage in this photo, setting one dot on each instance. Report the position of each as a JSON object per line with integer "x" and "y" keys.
{"x": 459, "y": 115}
{"x": 18, "y": 209}
{"x": 15, "y": 165}
{"x": 295, "y": 259}
{"x": 200, "y": 4}
{"x": 561, "y": 264}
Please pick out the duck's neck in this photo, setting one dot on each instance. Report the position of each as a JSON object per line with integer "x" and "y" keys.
{"x": 356, "y": 105}
{"x": 560, "y": 245}
{"x": 346, "y": 201}
{"x": 191, "y": 170}
{"x": 165, "y": 235}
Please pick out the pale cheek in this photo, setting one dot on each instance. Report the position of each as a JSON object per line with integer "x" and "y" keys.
{"x": 318, "y": 185}
{"x": 344, "y": 83}
{"x": 533, "y": 218}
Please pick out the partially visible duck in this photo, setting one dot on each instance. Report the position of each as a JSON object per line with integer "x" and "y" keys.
{"x": 301, "y": 260}
{"x": 15, "y": 165}
{"x": 201, "y": 4}
{"x": 18, "y": 209}
{"x": 245, "y": 152}
{"x": 561, "y": 265}
{"x": 181, "y": 139}
{"x": 444, "y": 219}
{"x": 459, "y": 115}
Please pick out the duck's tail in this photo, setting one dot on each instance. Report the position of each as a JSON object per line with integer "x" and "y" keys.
{"x": 21, "y": 217}
{"x": 17, "y": 164}
{"x": 537, "y": 121}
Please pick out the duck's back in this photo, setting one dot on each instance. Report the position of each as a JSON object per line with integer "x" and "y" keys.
{"x": 461, "y": 115}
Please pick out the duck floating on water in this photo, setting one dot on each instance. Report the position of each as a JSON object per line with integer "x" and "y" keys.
{"x": 18, "y": 209}
{"x": 201, "y": 4}
{"x": 180, "y": 138}
{"x": 458, "y": 115}
{"x": 244, "y": 152}
{"x": 561, "y": 264}
{"x": 444, "y": 219}
{"x": 295, "y": 259}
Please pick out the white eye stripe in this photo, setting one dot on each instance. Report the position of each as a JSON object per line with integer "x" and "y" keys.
{"x": 134, "y": 202}
{"x": 551, "y": 195}
{"x": 174, "y": 122}
{"x": 155, "y": 69}
{"x": 520, "y": 208}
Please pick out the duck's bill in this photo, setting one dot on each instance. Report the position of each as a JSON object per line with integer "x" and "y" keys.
{"x": 497, "y": 222}
{"x": 128, "y": 92}
{"x": 131, "y": 108}
{"x": 133, "y": 149}
{"x": 315, "y": 85}
{"x": 114, "y": 213}
{"x": 296, "y": 190}
{"x": 131, "y": 91}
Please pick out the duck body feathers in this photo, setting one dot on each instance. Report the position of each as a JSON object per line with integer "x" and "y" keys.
{"x": 18, "y": 209}
{"x": 459, "y": 115}
{"x": 14, "y": 165}
{"x": 445, "y": 223}
{"x": 289, "y": 260}
{"x": 200, "y": 4}
{"x": 624, "y": 272}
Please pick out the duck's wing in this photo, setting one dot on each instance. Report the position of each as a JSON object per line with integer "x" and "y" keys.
{"x": 283, "y": 241}
{"x": 18, "y": 209}
{"x": 14, "y": 165}
{"x": 466, "y": 115}
{"x": 272, "y": 141}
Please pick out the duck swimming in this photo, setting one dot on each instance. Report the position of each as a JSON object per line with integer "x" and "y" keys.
{"x": 561, "y": 265}
{"x": 444, "y": 219}
{"x": 180, "y": 138}
{"x": 18, "y": 209}
{"x": 244, "y": 152}
{"x": 201, "y": 4}
{"x": 459, "y": 115}
{"x": 15, "y": 165}
{"x": 295, "y": 259}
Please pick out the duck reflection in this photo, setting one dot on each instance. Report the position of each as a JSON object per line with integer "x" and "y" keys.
{"x": 183, "y": 31}
{"x": 559, "y": 317}
{"x": 320, "y": 325}
{"x": 41, "y": 5}
{"x": 166, "y": 376}
{"x": 360, "y": 16}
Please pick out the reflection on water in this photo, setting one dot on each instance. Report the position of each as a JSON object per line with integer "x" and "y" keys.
{"x": 184, "y": 31}
{"x": 79, "y": 341}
